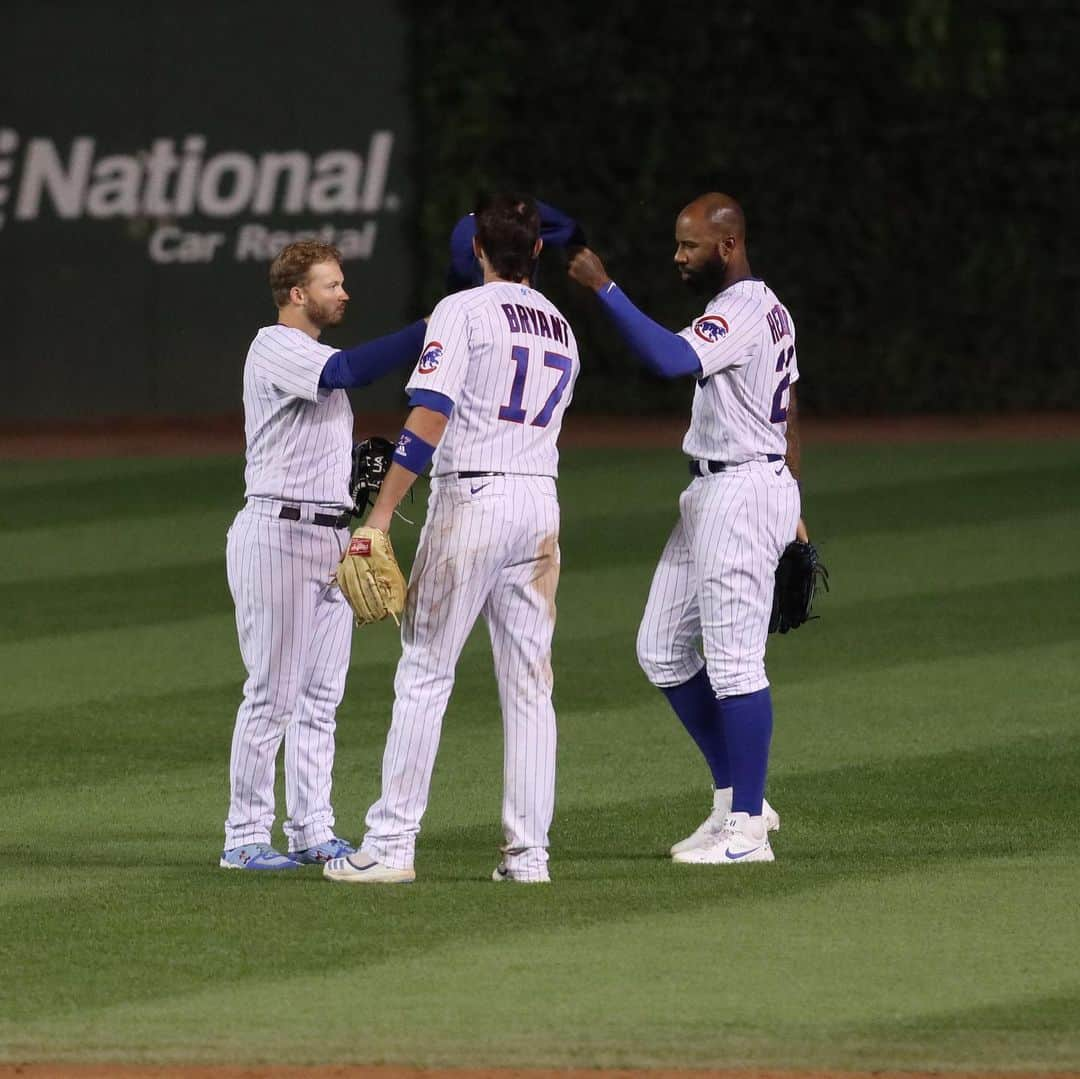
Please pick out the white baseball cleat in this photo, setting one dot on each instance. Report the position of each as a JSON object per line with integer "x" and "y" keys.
{"x": 361, "y": 868}
{"x": 713, "y": 824}
{"x": 742, "y": 839}
{"x": 503, "y": 874}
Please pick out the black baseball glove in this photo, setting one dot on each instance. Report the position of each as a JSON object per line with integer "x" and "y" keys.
{"x": 798, "y": 575}
{"x": 370, "y": 463}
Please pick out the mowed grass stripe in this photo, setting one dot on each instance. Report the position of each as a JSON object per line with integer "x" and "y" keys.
{"x": 71, "y": 549}
{"x": 863, "y": 821}
{"x": 915, "y": 929}
{"x": 171, "y": 486}
{"x": 934, "y": 626}
{"x": 115, "y": 673}
{"x": 591, "y": 861}
{"x": 849, "y": 700}
{"x": 587, "y": 476}
{"x": 175, "y": 593}
{"x": 852, "y": 469}
{"x": 927, "y": 558}
{"x": 977, "y": 499}
{"x": 162, "y": 594}
{"x": 49, "y": 476}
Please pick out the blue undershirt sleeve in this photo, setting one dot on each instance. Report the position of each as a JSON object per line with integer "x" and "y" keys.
{"x": 557, "y": 228}
{"x": 437, "y": 402}
{"x": 661, "y": 351}
{"x": 365, "y": 363}
{"x": 464, "y": 270}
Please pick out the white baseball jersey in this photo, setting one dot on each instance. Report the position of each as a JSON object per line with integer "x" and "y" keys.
{"x": 507, "y": 358}
{"x": 294, "y": 626}
{"x": 714, "y": 581}
{"x": 299, "y": 437}
{"x": 745, "y": 342}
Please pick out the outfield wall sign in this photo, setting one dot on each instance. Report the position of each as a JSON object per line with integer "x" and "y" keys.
{"x": 192, "y": 202}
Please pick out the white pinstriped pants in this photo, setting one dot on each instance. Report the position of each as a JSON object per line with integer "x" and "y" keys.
{"x": 714, "y": 580}
{"x": 489, "y": 546}
{"x": 295, "y": 633}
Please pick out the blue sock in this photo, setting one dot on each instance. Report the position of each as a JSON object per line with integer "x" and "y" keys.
{"x": 747, "y": 721}
{"x": 696, "y": 706}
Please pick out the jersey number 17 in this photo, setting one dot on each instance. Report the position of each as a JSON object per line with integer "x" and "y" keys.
{"x": 512, "y": 411}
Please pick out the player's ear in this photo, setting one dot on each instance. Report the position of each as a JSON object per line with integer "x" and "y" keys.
{"x": 538, "y": 246}
{"x": 477, "y": 250}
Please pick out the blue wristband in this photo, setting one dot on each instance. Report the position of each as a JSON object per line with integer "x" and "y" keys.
{"x": 412, "y": 452}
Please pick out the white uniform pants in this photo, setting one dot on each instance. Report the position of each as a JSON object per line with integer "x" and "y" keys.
{"x": 489, "y": 546}
{"x": 295, "y": 633}
{"x": 714, "y": 581}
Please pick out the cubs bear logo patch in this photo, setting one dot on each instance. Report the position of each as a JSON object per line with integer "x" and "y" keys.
{"x": 429, "y": 358}
{"x": 711, "y": 328}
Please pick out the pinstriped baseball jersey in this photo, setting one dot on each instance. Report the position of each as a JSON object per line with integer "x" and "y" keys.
{"x": 299, "y": 437}
{"x": 745, "y": 342}
{"x": 294, "y": 627}
{"x": 508, "y": 360}
{"x": 714, "y": 581}
{"x": 489, "y": 548}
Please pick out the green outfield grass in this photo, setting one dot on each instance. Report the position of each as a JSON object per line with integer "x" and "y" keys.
{"x": 922, "y": 911}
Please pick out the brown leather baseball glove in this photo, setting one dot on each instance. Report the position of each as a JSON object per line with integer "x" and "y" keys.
{"x": 370, "y": 577}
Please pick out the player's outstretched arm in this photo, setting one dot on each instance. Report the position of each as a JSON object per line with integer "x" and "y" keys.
{"x": 365, "y": 363}
{"x": 664, "y": 353}
{"x": 421, "y": 434}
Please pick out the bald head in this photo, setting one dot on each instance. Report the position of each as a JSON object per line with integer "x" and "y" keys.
{"x": 721, "y": 213}
{"x": 710, "y": 243}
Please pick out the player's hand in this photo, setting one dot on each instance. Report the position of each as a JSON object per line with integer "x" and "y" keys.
{"x": 800, "y": 532}
{"x": 586, "y": 269}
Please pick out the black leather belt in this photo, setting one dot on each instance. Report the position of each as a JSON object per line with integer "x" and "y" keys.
{"x": 477, "y": 475}
{"x": 696, "y": 468}
{"x": 327, "y": 520}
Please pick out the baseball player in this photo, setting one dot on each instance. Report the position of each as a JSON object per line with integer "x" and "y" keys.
{"x": 495, "y": 376}
{"x": 295, "y": 628}
{"x": 715, "y": 576}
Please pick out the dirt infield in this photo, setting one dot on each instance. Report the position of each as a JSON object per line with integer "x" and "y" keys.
{"x": 135, "y": 437}
{"x": 356, "y": 1071}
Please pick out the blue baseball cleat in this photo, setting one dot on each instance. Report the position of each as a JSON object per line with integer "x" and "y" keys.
{"x": 256, "y": 856}
{"x": 321, "y": 853}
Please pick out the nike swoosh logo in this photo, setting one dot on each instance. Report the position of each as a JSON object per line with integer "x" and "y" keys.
{"x": 735, "y": 857}
{"x": 359, "y": 868}
{"x": 780, "y": 469}
{"x": 477, "y": 490}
